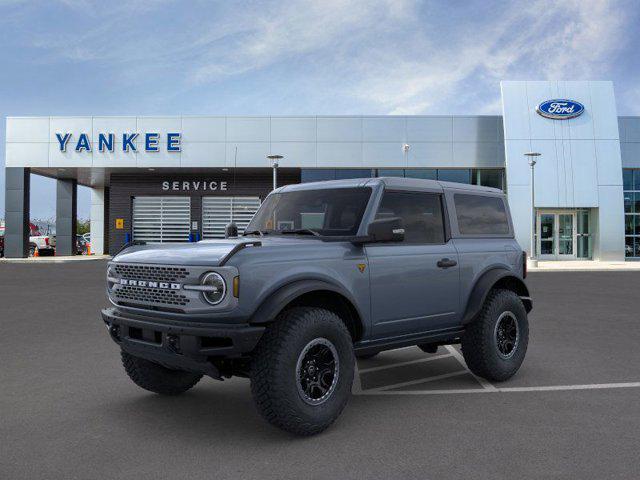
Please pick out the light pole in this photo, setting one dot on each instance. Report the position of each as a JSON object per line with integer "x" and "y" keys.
{"x": 405, "y": 151}
{"x": 531, "y": 156}
{"x": 274, "y": 162}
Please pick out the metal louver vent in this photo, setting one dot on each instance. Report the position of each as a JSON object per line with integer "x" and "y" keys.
{"x": 161, "y": 219}
{"x": 217, "y": 212}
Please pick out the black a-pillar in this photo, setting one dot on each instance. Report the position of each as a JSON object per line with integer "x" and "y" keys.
{"x": 66, "y": 217}
{"x": 17, "y": 189}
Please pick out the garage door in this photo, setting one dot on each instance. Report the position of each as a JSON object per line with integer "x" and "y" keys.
{"x": 217, "y": 212}
{"x": 161, "y": 219}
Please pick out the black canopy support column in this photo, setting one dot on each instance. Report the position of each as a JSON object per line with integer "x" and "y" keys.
{"x": 17, "y": 190}
{"x": 66, "y": 217}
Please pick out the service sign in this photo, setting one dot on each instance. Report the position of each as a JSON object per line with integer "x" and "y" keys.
{"x": 560, "y": 109}
{"x": 149, "y": 141}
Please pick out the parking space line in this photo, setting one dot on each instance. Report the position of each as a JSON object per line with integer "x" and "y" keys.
{"x": 418, "y": 381}
{"x": 400, "y": 364}
{"x": 543, "y": 388}
{"x": 485, "y": 383}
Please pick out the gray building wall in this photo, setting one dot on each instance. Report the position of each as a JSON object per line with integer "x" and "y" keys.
{"x": 245, "y": 141}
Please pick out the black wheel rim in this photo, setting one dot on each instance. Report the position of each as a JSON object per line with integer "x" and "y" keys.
{"x": 507, "y": 334}
{"x": 317, "y": 371}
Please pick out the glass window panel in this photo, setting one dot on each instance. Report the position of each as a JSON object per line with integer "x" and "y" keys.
{"x": 390, "y": 172}
{"x": 629, "y": 224}
{"x": 480, "y": 215}
{"x": 458, "y": 175}
{"x": 421, "y": 215}
{"x": 584, "y": 246}
{"x": 343, "y": 173}
{"x": 628, "y": 247}
{"x": 627, "y": 178}
{"x": 636, "y": 202}
{"x": 636, "y": 179}
{"x": 424, "y": 173}
{"x": 488, "y": 178}
{"x": 338, "y": 211}
{"x": 636, "y": 221}
{"x": 628, "y": 202}
{"x": 317, "y": 174}
{"x": 583, "y": 221}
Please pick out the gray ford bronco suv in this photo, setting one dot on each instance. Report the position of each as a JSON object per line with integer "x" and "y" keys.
{"x": 324, "y": 273}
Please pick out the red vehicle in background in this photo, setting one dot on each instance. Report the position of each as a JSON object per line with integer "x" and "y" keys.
{"x": 1, "y": 241}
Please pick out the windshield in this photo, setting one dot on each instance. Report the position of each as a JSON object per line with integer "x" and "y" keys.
{"x": 331, "y": 212}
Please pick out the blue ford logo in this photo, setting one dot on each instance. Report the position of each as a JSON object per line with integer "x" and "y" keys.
{"x": 560, "y": 109}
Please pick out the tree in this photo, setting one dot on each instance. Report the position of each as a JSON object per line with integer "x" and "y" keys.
{"x": 84, "y": 226}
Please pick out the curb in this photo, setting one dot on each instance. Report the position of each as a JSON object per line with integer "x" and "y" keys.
{"x": 38, "y": 260}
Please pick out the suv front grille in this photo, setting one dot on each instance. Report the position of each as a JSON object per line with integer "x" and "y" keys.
{"x": 153, "y": 273}
{"x": 150, "y": 295}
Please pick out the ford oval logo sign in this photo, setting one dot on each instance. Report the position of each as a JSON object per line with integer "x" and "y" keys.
{"x": 560, "y": 109}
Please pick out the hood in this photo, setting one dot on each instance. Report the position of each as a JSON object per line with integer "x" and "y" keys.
{"x": 205, "y": 253}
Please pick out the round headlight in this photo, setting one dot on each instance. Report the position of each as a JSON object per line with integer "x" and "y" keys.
{"x": 216, "y": 288}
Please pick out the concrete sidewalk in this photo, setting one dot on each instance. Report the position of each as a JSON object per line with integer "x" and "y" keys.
{"x": 54, "y": 259}
{"x": 583, "y": 266}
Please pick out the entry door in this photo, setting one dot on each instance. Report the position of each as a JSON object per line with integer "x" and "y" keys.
{"x": 556, "y": 235}
{"x": 415, "y": 284}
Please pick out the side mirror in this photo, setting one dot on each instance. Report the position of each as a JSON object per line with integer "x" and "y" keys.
{"x": 386, "y": 230}
{"x": 231, "y": 230}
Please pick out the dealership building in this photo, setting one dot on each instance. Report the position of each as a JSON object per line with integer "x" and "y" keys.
{"x": 183, "y": 178}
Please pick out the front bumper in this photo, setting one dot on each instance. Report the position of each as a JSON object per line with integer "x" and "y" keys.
{"x": 181, "y": 345}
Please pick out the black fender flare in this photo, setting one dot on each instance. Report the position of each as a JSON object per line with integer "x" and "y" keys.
{"x": 280, "y": 298}
{"x": 486, "y": 282}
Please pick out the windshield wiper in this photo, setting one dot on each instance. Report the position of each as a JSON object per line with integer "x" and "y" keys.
{"x": 262, "y": 233}
{"x": 301, "y": 231}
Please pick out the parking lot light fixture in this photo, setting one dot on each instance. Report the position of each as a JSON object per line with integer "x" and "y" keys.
{"x": 531, "y": 157}
{"x": 275, "y": 159}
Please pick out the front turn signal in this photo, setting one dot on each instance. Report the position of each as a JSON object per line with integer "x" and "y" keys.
{"x": 236, "y": 287}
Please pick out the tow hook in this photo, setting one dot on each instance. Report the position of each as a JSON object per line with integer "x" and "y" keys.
{"x": 173, "y": 343}
{"x": 114, "y": 331}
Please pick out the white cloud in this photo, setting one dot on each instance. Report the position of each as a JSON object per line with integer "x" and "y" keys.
{"x": 392, "y": 56}
{"x": 538, "y": 40}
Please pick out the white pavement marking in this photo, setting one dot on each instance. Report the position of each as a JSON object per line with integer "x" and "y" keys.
{"x": 418, "y": 381}
{"x": 356, "y": 386}
{"x": 400, "y": 364}
{"x": 544, "y": 388}
{"x": 485, "y": 384}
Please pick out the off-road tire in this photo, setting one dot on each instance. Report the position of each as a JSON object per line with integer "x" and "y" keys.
{"x": 274, "y": 378}
{"x": 156, "y": 378}
{"x": 479, "y": 344}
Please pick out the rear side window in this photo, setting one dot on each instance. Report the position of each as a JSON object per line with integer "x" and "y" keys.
{"x": 480, "y": 215}
{"x": 421, "y": 215}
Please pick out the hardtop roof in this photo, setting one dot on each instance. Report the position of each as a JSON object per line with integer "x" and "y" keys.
{"x": 391, "y": 182}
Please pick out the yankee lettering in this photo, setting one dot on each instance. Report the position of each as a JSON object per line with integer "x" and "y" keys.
{"x": 129, "y": 142}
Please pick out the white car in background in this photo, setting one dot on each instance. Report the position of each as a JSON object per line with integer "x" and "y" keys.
{"x": 46, "y": 244}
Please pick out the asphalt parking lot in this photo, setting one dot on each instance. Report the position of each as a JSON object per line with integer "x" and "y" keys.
{"x": 67, "y": 410}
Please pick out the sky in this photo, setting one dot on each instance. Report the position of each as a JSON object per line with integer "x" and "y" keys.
{"x": 233, "y": 57}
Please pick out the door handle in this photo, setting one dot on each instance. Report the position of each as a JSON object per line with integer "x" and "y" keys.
{"x": 446, "y": 263}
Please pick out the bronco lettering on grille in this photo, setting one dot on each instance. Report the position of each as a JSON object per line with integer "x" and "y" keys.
{"x": 150, "y": 284}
